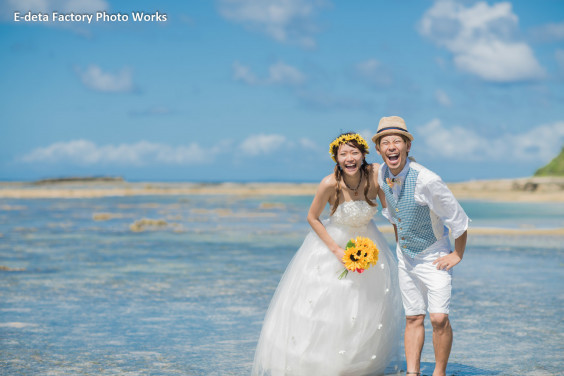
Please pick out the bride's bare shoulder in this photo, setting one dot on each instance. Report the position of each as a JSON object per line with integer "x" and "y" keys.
{"x": 328, "y": 183}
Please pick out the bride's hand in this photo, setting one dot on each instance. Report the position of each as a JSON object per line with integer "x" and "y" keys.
{"x": 339, "y": 253}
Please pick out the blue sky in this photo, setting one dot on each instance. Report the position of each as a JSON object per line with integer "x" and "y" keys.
{"x": 255, "y": 90}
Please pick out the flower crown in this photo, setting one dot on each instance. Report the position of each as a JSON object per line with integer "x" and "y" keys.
{"x": 343, "y": 139}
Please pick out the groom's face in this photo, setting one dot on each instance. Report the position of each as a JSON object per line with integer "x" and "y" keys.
{"x": 393, "y": 149}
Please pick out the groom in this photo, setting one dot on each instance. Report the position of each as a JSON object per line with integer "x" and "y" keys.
{"x": 421, "y": 207}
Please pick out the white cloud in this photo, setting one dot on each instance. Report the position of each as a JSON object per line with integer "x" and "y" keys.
{"x": 306, "y": 143}
{"x": 261, "y": 144}
{"x": 8, "y": 7}
{"x": 480, "y": 38}
{"x": 96, "y": 79}
{"x": 443, "y": 98}
{"x": 287, "y": 21}
{"x": 243, "y": 73}
{"x": 373, "y": 72}
{"x": 549, "y": 32}
{"x": 367, "y": 135}
{"x": 540, "y": 143}
{"x": 285, "y": 74}
{"x": 278, "y": 74}
{"x": 559, "y": 55}
{"x": 84, "y": 152}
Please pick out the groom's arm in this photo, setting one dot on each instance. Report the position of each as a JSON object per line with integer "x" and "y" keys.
{"x": 452, "y": 259}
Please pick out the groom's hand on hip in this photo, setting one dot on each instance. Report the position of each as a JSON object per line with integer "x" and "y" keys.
{"x": 447, "y": 262}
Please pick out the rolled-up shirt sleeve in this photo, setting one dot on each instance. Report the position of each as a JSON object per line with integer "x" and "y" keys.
{"x": 442, "y": 202}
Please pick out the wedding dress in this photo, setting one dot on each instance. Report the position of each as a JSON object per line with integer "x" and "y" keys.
{"x": 317, "y": 324}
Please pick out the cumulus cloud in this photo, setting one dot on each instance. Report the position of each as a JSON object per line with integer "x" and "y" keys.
{"x": 373, "y": 72}
{"x": 480, "y": 37}
{"x": 306, "y": 143}
{"x": 286, "y": 21}
{"x": 96, "y": 79}
{"x": 443, "y": 98}
{"x": 278, "y": 74}
{"x": 84, "y": 152}
{"x": 244, "y": 74}
{"x": 262, "y": 144}
{"x": 559, "y": 55}
{"x": 540, "y": 143}
{"x": 285, "y": 74}
{"x": 552, "y": 32}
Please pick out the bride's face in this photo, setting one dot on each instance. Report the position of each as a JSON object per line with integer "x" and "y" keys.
{"x": 350, "y": 159}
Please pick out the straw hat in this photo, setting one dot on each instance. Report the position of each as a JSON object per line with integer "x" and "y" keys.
{"x": 391, "y": 125}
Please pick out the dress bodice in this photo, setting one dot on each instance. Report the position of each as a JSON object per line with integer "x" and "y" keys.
{"x": 354, "y": 213}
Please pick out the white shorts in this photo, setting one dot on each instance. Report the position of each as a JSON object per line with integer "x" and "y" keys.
{"x": 422, "y": 286}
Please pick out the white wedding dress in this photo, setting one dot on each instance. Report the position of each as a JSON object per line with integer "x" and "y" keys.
{"x": 319, "y": 325}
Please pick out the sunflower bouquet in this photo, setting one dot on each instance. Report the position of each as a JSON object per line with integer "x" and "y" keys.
{"x": 360, "y": 254}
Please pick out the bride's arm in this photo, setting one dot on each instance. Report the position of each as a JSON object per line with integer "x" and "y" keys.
{"x": 385, "y": 210}
{"x": 322, "y": 197}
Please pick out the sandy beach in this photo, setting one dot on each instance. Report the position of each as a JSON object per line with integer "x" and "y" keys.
{"x": 546, "y": 189}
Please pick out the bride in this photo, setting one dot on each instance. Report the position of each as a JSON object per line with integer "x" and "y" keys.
{"x": 318, "y": 324}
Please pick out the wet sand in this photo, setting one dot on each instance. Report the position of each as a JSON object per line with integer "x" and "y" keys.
{"x": 506, "y": 190}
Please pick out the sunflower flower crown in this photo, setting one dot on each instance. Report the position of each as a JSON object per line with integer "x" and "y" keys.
{"x": 343, "y": 139}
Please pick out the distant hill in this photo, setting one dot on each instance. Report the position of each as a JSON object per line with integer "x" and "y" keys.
{"x": 554, "y": 167}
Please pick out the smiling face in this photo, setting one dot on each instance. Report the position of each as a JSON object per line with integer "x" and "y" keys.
{"x": 393, "y": 149}
{"x": 349, "y": 158}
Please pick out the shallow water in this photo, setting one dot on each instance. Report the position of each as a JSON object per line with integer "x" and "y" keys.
{"x": 93, "y": 297}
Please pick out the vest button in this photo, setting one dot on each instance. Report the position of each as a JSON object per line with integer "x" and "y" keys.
{"x": 397, "y": 209}
{"x": 399, "y": 219}
{"x": 402, "y": 238}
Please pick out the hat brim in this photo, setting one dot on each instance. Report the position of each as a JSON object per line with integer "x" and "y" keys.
{"x": 389, "y": 132}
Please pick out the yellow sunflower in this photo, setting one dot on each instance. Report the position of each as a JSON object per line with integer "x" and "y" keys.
{"x": 368, "y": 248}
{"x": 360, "y": 254}
{"x": 355, "y": 259}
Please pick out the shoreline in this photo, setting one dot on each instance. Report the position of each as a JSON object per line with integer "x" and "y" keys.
{"x": 535, "y": 189}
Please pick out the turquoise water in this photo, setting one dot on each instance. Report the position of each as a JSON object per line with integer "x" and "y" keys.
{"x": 92, "y": 297}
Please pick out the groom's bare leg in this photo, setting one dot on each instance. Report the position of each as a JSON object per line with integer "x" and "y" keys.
{"x": 442, "y": 341}
{"x": 413, "y": 340}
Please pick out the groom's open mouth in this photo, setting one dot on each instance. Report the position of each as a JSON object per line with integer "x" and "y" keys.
{"x": 393, "y": 157}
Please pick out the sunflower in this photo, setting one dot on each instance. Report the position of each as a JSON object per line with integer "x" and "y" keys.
{"x": 360, "y": 254}
{"x": 355, "y": 259}
{"x": 368, "y": 248}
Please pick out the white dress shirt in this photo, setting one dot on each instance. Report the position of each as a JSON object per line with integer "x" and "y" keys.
{"x": 430, "y": 190}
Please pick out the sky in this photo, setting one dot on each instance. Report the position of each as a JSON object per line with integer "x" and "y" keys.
{"x": 256, "y": 90}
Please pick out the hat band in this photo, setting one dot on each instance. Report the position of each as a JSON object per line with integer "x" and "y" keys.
{"x": 385, "y": 129}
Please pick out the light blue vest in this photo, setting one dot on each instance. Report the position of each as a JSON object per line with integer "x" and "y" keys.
{"x": 413, "y": 221}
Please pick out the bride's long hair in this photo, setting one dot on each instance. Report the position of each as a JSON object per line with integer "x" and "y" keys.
{"x": 339, "y": 173}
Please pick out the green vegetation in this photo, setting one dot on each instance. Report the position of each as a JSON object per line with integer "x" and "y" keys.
{"x": 554, "y": 167}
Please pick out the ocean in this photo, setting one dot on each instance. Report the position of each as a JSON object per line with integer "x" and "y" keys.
{"x": 179, "y": 285}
